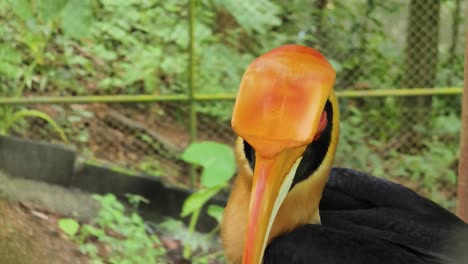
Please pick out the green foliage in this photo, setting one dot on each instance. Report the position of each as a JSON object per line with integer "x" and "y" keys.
{"x": 124, "y": 234}
{"x": 204, "y": 243}
{"x": 8, "y": 119}
{"x": 151, "y": 166}
{"x": 197, "y": 200}
{"x": 368, "y": 142}
{"x": 77, "y": 18}
{"x": 256, "y": 17}
{"x": 217, "y": 160}
{"x": 216, "y": 212}
{"x": 9, "y": 115}
{"x": 432, "y": 166}
{"x": 140, "y": 46}
{"x": 63, "y": 47}
{"x": 69, "y": 226}
{"x": 218, "y": 164}
{"x": 135, "y": 200}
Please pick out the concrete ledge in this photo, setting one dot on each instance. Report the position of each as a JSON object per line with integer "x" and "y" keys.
{"x": 37, "y": 160}
{"x": 55, "y": 164}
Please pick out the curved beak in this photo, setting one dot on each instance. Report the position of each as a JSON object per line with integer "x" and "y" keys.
{"x": 271, "y": 182}
{"x": 278, "y": 111}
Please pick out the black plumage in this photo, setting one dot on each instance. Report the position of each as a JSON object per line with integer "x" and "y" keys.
{"x": 366, "y": 219}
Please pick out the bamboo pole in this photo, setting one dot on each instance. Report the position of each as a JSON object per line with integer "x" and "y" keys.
{"x": 191, "y": 86}
{"x": 462, "y": 208}
{"x": 90, "y": 99}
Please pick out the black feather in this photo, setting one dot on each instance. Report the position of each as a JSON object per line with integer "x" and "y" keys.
{"x": 316, "y": 151}
{"x": 366, "y": 219}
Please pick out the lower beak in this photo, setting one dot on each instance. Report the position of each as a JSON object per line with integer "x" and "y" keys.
{"x": 271, "y": 182}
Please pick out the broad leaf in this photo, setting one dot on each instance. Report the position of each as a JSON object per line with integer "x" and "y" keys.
{"x": 9, "y": 70}
{"x": 9, "y": 54}
{"x": 69, "y": 226}
{"x": 216, "y": 174}
{"x": 217, "y": 160}
{"x": 77, "y": 18}
{"x": 216, "y": 212}
{"x": 23, "y": 9}
{"x": 51, "y": 8}
{"x": 265, "y": 12}
{"x": 198, "y": 199}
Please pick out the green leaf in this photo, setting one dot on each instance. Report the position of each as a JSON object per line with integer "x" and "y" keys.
{"x": 22, "y": 8}
{"x": 217, "y": 174}
{"x": 9, "y": 54}
{"x": 69, "y": 226}
{"x": 51, "y": 8}
{"x": 265, "y": 13}
{"x": 216, "y": 212}
{"x": 198, "y": 199}
{"x": 38, "y": 114}
{"x": 336, "y": 65}
{"x": 73, "y": 118}
{"x": 77, "y": 18}
{"x": 217, "y": 160}
{"x": 93, "y": 231}
{"x": 83, "y": 136}
{"x": 135, "y": 199}
{"x": 9, "y": 70}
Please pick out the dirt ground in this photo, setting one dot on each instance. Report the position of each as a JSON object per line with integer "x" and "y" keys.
{"x": 29, "y": 212}
{"x": 29, "y": 235}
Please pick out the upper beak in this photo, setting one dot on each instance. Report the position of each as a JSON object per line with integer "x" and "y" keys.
{"x": 278, "y": 111}
{"x": 271, "y": 182}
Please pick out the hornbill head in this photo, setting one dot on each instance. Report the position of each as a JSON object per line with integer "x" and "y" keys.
{"x": 287, "y": 119}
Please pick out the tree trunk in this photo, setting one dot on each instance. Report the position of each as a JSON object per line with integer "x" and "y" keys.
{"x": 421, "y": 54}
{"x": 462, "y": 208}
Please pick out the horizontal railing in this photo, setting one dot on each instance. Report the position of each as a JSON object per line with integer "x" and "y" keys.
{"x": 213, "y": 97}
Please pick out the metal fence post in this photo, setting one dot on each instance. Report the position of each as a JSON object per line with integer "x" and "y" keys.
{"x": 191, "y": 86}
{"x": 462, "y": 199}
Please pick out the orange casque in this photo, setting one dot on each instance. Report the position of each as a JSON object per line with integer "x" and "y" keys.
{"x": 276, "y": 89}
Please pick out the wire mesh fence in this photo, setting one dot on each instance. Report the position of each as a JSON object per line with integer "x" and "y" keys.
{"x": 143, "y": 47}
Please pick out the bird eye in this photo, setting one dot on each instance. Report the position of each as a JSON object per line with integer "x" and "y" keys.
{"x": 316, "y": 151}
{"x": 249, "y": 154}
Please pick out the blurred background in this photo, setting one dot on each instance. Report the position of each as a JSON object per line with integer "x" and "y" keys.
{"x": 131, "y": 83}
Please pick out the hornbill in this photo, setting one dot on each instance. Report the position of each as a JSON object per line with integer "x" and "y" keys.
{"x": 287, "y": 118}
